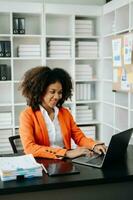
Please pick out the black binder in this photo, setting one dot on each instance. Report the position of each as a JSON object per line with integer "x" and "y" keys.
{"x": 3, "y": 72}
{"x": 21, "y": 22}
{"x": 7, "y": 46}
{"x": 2, "y": 47}
{"x": 15, "y": 26}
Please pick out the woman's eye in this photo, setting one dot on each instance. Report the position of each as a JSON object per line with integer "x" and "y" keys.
{"x": 52, "y": 92}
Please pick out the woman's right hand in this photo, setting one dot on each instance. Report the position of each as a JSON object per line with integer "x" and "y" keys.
{"x": 79, "y": 151}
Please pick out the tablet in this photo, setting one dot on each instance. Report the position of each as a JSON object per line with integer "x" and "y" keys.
{"x": 58, "y": 167}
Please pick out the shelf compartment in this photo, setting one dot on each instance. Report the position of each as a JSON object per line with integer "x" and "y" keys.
{"x": 18, "y": 110}
{"x": 107, "y": 70}
{"x": 29, "y": 20}
{"x": 109, "y": 23}
{"x": 63, "y": 64}
{"x": 108, "y": 95}
{"x": 25, "y": 41}
{"x": 18, "y": 98}
{"x": 87, "y": 26}
{"x": 5, "y": 146}
{"x": 6, "y": 92}
{"x": 21, "y": 66}
{"x": 107, "y": 47}
{"x": 86, "y": 118}
{"x": 122, "y": 18}
{"x": 87, "y": 48}
{"x": 121, "y": 118}
{"x": 108, "y": 117}
{"x": 4, "y": 23}
{"x": 58, "y": 25}
{"x": 121, "y": 99}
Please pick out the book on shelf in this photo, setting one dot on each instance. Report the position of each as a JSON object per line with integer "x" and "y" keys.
{"x": 14, "y": 167}
{"x": 83, "y": 21}
{"x": 21, "y": 24}
{"x": 15, "y": 26}
{"x": 29, "y": 46}
{"x": 82, "y": 107}
{"x": 59, "y": 42}
{"x": 28, "y": 49}
{"x": 2, "y": 48}
{"x": 59, "y": 47}
{"x": 7, "y": 48}
{"x": 18, "y": 25}
{"x": 29, "y": 53}
{"x": 5, "y": 72}
{"x": 83, "y": 91}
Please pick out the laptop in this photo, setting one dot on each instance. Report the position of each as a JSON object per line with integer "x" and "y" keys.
{"x": 115, "y": 151}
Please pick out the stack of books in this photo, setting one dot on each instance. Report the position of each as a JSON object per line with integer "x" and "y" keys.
{"x": 84, "y": 72}
{"x": 29, "y": 50}
{"x": 84, "y": 27}
{"x": 5, "y": 118}
{"x": 84, "y": 114}
{"x": 83, "y": 91}
{"x": 24, "y": 166}
{"x": 59, "y": 48}
{"x": 87, "y": 49}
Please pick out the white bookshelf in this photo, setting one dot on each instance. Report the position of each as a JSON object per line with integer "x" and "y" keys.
{"x": 11, "y": 100}
{"x": 116, "y": 106}
{"x": 112, "y": 111}
{"x": 65, "y": 17}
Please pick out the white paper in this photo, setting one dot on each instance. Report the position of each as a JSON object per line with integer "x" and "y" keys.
{"x": 128, "y": 42}
{"x": 116, "y": 47}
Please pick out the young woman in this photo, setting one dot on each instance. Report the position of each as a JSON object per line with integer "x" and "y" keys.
{"x": 46, "y": 127}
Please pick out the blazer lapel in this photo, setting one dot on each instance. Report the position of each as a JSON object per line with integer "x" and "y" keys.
{"x": 64, "y": 131}
{"x": 43, "y": 127}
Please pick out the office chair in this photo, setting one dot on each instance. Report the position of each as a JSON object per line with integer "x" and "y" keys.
{"x": 16, "y": 143}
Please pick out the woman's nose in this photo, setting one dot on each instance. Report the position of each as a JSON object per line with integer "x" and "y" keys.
{"x": 56, "y": 96}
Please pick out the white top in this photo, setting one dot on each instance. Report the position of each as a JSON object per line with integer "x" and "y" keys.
{"x": 53, "y": 127}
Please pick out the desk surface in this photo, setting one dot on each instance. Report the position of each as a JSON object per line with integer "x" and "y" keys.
{"x": 121, "y": 172}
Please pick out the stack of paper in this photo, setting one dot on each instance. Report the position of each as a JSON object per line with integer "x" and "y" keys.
{"x": 84, "y": 114}
{"x": 17, "y": 166}
{"x": 59, "y": 48}
{"x": 29, "y": 50}
{"x": 84, "y": 27}
{"x": 87, "y": 49}
{"x": 84, "y": 72}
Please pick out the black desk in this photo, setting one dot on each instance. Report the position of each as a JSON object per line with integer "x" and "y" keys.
{"x": 115, "y": 182}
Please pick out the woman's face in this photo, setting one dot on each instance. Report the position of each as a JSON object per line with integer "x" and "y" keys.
{"x": 53, "y": 95}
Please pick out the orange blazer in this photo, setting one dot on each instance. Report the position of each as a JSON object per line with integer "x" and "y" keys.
{"x": 35, "y": 139}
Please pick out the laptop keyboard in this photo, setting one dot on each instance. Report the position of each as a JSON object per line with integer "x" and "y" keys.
{"x": 97, "y": 160}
